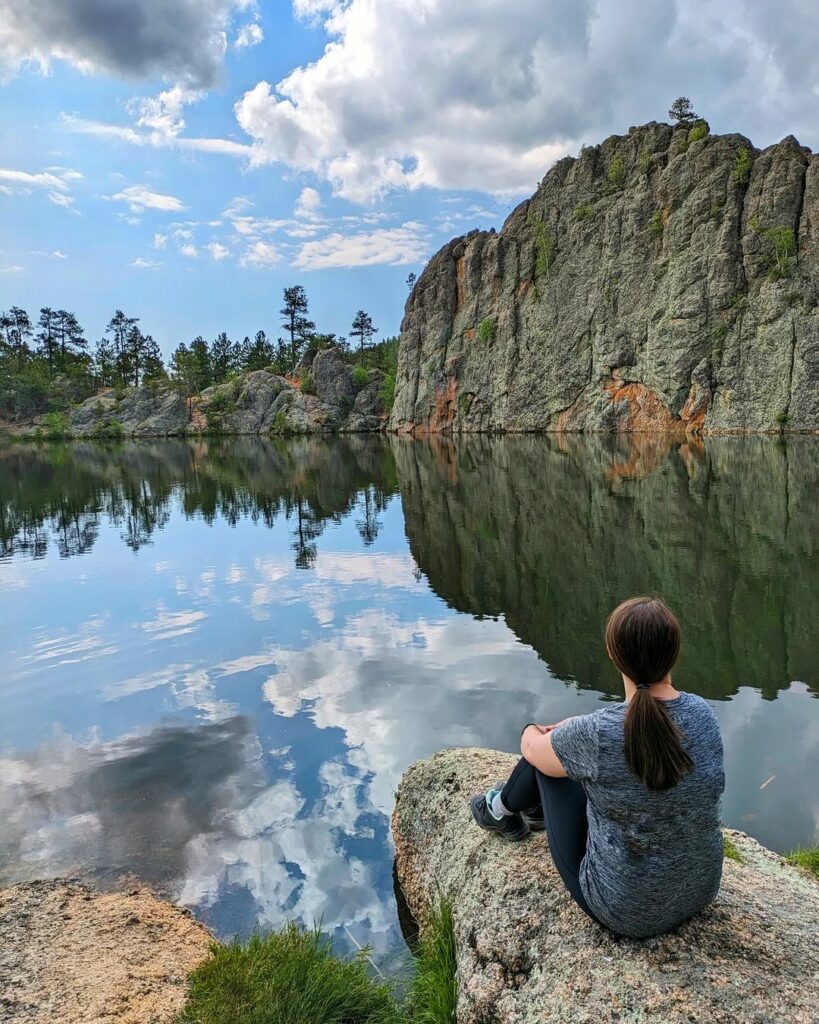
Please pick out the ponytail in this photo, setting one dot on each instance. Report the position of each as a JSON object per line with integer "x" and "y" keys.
{"x": 643, "y": 640}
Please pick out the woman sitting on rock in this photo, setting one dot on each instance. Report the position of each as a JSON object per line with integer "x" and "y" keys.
{"x": 628, "y": 795}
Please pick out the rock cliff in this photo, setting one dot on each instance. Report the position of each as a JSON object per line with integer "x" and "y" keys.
{"x": 325, "y": 400}
{"x": 664, "y": 281}
{"x": 527, "y": 954}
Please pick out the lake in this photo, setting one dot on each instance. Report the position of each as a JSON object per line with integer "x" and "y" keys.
{"x": 219, "y": 656}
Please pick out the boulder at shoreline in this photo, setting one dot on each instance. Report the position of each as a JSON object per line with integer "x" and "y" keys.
{"x": 526, "y": 953}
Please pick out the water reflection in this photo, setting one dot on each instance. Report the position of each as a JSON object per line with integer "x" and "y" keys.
{"x": 221, "y": 694}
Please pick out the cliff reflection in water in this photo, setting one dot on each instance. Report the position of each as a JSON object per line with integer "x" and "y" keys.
{"x": 552, "y": 533}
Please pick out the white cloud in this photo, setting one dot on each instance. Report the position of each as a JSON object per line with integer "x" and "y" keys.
{"x": 143, "y": 264}
{"x": 249, "y": 35}
{"x": 160, "y": 240}
{"x": 261, "y": 254}
{"x": 11, "y": 268}
{"x": 308, "y": 205}
{"x": 162, "y": 114}
{"x": 123, "y": 133}
{"x": 140, "y": 198}
{"x": 485, "y": 95}
{"x": 189, "y": 250}
{"x": 393, "y": 246}
{"x": 56, "y": 180}
{"x": 218, "y": 251}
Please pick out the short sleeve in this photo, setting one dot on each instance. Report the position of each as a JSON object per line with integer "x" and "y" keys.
{"x": 577, "y": 746}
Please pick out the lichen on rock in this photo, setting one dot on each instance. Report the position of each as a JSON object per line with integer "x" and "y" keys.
{"x": 527, "y": 953}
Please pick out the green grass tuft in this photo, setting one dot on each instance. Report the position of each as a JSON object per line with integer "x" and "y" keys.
{"x": 730, "y": 851}
{"x": 486, "y": 329}
{"x": 432, "y": 995}
{"x": 287, "y": 977}
{"x": 807, "y": 858}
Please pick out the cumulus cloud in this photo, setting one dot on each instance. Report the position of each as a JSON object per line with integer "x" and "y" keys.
{"x": 56, "y": 181}
{"x": 189, "y": 250}
{"x": 184, "y": 40}
{"x": 249, "y": 35}
{"x": 152, "y": 137}
{"x": 485, "y": 95}
{"x": 393, "y": 246}
{"x": 260, "y": 255}
{"x": 218, "y": 251}
{"x": 140, "y": 198}
{"x": 308, "y": 205}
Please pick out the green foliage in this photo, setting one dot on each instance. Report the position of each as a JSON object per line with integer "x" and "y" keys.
{"x": 308, "y": 386}
{"x": 699, "y": 130}
{"x": 280, "y": 423}
{"x": 221, "y": 405}
{"x": 287, "y": 977}
{"x": 742, "y": 167}
{"x": 739, "y": 300}
{"x": 432, "y": 996}
{"x": 108, "y": 430}
{"x": 584, "y": 211}
{"x": 56, "y": 425}
{"x": 781, "y": 245}
{"x": 544, "y": 249}
{"x": 730, "y": 851}
{"x": 657, "y": 224}
{"x": 644, "y": 161}
{"x": 486, "y": 330}
{"x": 807, "y": 858}
{"x": 388, "y": 391}
{"x": 361, "y": 377}
{"x": 782, "y": 418}
{"x": 616, "y": 173}
{"x": 682, "y": 111}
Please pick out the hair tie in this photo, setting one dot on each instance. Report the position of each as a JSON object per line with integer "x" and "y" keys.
{"x": 643, "y": 686}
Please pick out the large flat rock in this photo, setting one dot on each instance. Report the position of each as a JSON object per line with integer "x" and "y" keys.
{"x": 527, "y": 953}
{"x": 69, "y": 955}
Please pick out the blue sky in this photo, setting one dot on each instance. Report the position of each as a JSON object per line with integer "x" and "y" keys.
{"x": 184, "y": 160}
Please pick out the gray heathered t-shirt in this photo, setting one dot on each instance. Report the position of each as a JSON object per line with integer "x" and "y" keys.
{"x": 652, "y": 858}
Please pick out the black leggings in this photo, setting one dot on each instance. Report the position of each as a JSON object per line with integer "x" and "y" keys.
{"x": 564, "y": 814}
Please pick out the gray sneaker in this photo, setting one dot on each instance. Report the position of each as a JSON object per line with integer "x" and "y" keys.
{"x": 512, "y": 827}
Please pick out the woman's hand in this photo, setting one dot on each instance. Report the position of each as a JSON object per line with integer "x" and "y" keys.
{"x": 536, "y": 747}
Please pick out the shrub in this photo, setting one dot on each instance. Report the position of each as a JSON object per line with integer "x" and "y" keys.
{"x": 584, "y": 212}
{"x": 781, "y": 243}
{"x": 486, "y": 329}
{"x": 657, "y": 225}
{"x": 56, "y": 425}
{"x": 782, "y": 418}
{"x": 307, "y": 385}
{"x": 361, "y": 377}
{"x": 644, "y": 162}
{"x": 544, "y": 249}
{"x": 698, "y": 131}
{"x": 280, "y": 424}
{"x": 388, "y": 391}
{"x": 617, "y": 172}
{"x": 720, "y": 331}
{"x": 742, "y": 167}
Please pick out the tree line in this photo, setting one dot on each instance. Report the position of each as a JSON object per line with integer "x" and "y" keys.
{"x": 47, "y": 364}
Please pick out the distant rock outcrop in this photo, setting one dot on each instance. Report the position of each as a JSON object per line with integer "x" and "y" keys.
{"x": 526, "y": 953}
{"x": 324, "y": 399}
{"x": 663, "y": 281}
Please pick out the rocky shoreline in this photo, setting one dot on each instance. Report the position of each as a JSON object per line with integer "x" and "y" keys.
{"x": 70, "y": 955}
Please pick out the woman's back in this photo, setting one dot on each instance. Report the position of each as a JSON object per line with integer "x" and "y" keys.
{"x": 653, "y": 857}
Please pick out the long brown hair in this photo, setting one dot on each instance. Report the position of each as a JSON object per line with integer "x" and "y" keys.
{"x": 643, "y": 639}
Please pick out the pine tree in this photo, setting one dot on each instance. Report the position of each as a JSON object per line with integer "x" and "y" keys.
{"x": 681, "y": 111}
{"x": 411, "y": 279}
{"x": 222, "y": 358}
{"x": 200, "y": 354}
{"x": 47, "y": 335}
{"x": 105, "y": 360}
{"x": 295, "y": 322}
{"x": 152, "y": 366}
{"x": 363, "y": 330}
{"x": 260, "y": 354}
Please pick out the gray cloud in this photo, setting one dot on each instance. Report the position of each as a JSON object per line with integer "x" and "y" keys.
{"x": 183, "y": 40}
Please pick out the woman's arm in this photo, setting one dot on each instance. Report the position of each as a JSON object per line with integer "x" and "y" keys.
{"x": 536, "y": 747}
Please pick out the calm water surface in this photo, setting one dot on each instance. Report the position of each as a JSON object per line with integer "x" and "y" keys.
{"x": 219, "y": 657}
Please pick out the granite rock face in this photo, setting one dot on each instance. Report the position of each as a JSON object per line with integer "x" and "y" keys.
{"x": 658, "y": 282}
{"x": 526, "y": 953}
{"x": 258, "y": 402}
